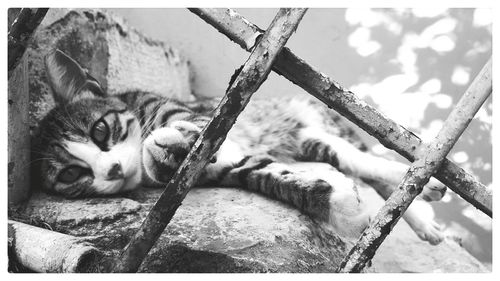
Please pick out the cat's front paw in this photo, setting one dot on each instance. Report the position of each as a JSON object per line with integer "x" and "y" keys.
{"x": 190, "y": 131}
{"x": 163, "y": 152}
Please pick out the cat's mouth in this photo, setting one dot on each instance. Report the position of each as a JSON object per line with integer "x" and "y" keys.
{"x": 131, "y": 180}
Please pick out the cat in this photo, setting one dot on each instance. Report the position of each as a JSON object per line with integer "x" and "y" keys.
{"x": 92, "y": 144}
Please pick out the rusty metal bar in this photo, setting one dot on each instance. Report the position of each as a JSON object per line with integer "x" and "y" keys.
{"x": 388, "y": 132}
{"x": 250, "y": 77}
{"x": 419, "y": 173}
{"x": 20, "y": 32}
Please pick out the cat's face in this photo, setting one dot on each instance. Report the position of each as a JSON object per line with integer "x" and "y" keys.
{"x": 88, "y": 144}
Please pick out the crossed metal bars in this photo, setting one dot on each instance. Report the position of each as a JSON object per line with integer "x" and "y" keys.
{"x": 268, "y": 53}
{"x": 429, "y": 160}
{"x": 387, "y": 132}
{"x": 419, "y": 172}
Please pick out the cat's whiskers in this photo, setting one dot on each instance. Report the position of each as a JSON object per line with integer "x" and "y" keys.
{"x": 36, "y": 160}
{"x": 67, "y": 119}
{"x": 152, "y": 121}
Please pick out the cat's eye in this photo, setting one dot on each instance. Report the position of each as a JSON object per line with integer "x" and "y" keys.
{"x": 70, "y": 174}
{"x": 100, "y": 131}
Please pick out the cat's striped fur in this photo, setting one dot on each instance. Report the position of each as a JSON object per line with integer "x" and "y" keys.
{"x": 91, "y": 144}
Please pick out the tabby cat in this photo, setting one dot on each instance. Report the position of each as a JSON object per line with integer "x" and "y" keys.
{"x": 92, "y": 144}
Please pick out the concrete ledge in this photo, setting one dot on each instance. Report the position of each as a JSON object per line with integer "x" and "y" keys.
{"x": 231, "y": 230}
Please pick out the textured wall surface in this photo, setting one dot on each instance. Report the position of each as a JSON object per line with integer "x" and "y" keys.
{"x": 18, "y": 135}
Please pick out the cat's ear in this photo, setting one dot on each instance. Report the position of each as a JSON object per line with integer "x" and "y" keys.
{"x": 69, "y": 81}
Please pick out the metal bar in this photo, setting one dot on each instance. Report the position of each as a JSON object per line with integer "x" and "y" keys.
{"x": 388, "y": 132}
{"x": 20, "y": 32}
{"x": 251, "y": 76}
{"x": 418, "y": 174}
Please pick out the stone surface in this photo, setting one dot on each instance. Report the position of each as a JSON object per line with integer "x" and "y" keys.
{"x": 230, "y": 230}
{"x": 215, "y": 230}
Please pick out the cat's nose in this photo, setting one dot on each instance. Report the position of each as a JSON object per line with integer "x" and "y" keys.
{"x": 115, "y": 172}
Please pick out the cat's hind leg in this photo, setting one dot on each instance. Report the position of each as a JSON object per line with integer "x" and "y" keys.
{"x": 317, "y": 145}
{"x": 419, "y": 215}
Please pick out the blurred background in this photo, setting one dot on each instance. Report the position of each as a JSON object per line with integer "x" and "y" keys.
{"x": 411, "y": 64}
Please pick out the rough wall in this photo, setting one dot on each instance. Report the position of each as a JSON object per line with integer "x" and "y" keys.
{"x": 18, "y": 135}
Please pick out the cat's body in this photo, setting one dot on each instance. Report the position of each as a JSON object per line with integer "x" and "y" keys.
{"x": 91, "y": 144}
